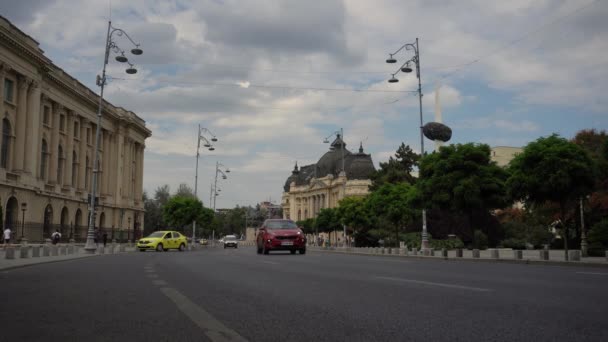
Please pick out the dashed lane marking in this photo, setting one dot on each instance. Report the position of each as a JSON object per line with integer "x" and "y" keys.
{"x": 214, "y": 329}
{"x": 270, "y": 262}
{"x": 159, "y": 282}
{"x": 152, "y": 275}
{"x": 430, "y": 283}
{"x": 593, "y": 273}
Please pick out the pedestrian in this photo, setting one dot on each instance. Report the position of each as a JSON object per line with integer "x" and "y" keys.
{"x": 56, "y": 237}
{"x": 96, "y": 237}
{"x": 105, "y": 238}
{"x": 7, "y": 236}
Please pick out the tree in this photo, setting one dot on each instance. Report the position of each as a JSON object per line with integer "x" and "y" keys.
{"x": 398, "y": 169}
{"x": 184, "y": 191}
{"x": 393, "y": 202}
{"x": 552, "y": 169}
{"x": 354, "y": 213}
{"x": 181, "y": 211}
{"x": 327, "y": 221}
{"x": 162, "y": 195}
{"x": 153, "y": 217}
{"x": 462, "y": 178}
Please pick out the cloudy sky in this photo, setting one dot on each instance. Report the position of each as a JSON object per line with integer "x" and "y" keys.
{"x": 273, "y": 78}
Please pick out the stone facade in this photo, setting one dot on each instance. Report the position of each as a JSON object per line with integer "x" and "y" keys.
{"x": 322, "y": 185}
{"x": 502, "y": 155}
{"x": 47, "y": 149}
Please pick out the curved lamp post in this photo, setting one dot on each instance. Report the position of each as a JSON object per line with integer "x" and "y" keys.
{"x": 111, "y": 45}
{"x": 208, "y": 144}
{"x": 218, "y": 170}
{"x": 340, "y": 135}
{"x": 406, "y": 67}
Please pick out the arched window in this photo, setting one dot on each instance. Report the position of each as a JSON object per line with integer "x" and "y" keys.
{"x": 74, "y": 168}
{"x": 60, "y": 162}
{"x": 43, "y": 159}
{"x": 6, "y": 141}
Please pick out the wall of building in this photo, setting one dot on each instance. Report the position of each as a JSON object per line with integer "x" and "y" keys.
{"x": 48, "y": 124}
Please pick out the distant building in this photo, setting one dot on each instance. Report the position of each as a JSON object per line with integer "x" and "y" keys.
{"x": 502, "y": 155}
{"x": 311, "y": 188}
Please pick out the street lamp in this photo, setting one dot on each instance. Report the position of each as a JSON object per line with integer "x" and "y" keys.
{"x": 218, "y": 170}
{"x": 90, "y": 245}
{"x": 23, "y": 209}
{"x": 406, "y": 68}
{"x": 340, "y": 135}
{"x": 209, "y": 146}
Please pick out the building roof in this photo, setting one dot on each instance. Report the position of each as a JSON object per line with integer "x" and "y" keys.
{"x": 357, "y": 165}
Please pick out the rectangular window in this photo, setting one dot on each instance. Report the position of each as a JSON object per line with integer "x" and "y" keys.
{"x": 46, "y": 115}
{"x": 76, "y": 130}
{"x": 8, "y": 90}
{"x": 62, "y": 123}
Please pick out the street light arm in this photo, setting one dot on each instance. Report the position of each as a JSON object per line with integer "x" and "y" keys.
{"x": 203, "y": 129}
{"x": 406, "y": 46}
{"x": 120, "y": 33}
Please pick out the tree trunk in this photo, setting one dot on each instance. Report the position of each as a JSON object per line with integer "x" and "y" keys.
{"x": 563, "y": 219}
{"x": 472, "y": 228}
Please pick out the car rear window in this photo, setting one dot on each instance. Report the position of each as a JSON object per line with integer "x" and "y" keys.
{"x": 281, "y": 225}
{"x": 156, "y": 234}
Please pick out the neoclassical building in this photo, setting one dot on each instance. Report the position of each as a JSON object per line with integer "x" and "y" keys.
{"x": 313, "y": 187}
{"x": 47, "y": 149}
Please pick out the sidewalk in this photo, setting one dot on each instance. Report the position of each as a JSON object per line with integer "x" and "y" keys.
{"x": 63, "y": 254}
{"x": 556, "y": 258}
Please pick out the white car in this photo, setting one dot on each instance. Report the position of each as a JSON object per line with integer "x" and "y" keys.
{"x": 230, "y": 241}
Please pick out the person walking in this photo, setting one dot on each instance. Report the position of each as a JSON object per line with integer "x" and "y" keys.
{"x": 7, "y": 236}
{"x": 56, "y": 237}
{"x": 96, "y": 237}
{"x": 105, "y": 238}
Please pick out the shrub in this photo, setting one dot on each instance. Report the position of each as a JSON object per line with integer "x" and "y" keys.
{"x": 513, "y": 243}
{"x": 447, "y": 244}
{"x": 598, "y": 238}
{"x": 480, "y": 240}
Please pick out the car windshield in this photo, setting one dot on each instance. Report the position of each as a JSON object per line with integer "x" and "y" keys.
{"x": 281, "y": 225}
{"x": 230, "y": 238}
{"x": 156, "y": 235}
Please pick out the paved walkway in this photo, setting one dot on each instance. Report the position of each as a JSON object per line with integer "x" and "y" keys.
{"x": 78, "y": 253}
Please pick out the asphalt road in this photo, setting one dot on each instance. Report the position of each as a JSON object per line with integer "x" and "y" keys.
{"x": 222, "y": 295}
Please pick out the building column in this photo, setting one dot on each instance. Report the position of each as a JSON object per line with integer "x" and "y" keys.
{"x": 140, "y": 174}
{"x": 82, "y": 166}
{"x": 33, "y": 130}
{"x": 113, "y": 165}
{"x": 4, "y": 68}
{"x": 54, "y": 148}
{"x": 120, "y": 144}
{"x": 69, "y": 158}
{"x": 20, "y": 131}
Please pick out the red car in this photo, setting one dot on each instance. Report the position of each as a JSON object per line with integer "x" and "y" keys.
{"x": 280, "y": 235}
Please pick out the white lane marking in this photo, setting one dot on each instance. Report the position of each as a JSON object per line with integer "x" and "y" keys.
{"x": 214, "y": 329}
{"x": 421, "y": 282}
{"x": 270, "y": 262}
{"x": 159, "y": 282}
{"x": 152, "y": 275}
{"x": 593, "y": 273}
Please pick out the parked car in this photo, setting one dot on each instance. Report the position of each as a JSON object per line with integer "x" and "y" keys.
{"x": 163, "y": 241}
{"x": 230, "y": 241}
{"x": 204, "y": 242}
{"x": 280, "y": 235}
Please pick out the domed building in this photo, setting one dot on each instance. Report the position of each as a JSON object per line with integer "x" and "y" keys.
{"x": 311, "y": 188}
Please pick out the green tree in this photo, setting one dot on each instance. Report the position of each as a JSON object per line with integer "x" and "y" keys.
{"x": 184, "y": 191}
{"x": 396, "y": 170}
{"x": 162, "y": 194}
{"x": 552, "y": 169}
{"x": 308, "y": 225}
{"x": 462, "y": 178}
{"x": 393, "y": 202}
{"x": 181, "y": 211}
{"x": 327, "y": 221}
{"x": 354, "y": 213}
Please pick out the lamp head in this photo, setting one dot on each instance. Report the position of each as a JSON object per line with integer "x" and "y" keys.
{"x": 391, "y": 60}
{"x": 393, "y": 80}
{"x": 137, "y": 51}
{"x": 214, "y": 139}
{"x": 325, "y": 141}
{"x": 131, "y": 71}
{"x": 121, "y": 59}
{"x": 227, "y": 170}
{"x": 211, "y": 148}
{"x": 407, "y": 68}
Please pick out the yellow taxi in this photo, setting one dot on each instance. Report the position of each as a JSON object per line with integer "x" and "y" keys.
{"x": 163, "y": 241}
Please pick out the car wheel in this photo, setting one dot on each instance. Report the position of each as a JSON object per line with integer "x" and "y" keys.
{"x": 265, "y": 250}
{"x": 224, "y": 246}
{"x": 259, "y": 249}
{"x": 303, "y": 251}
{"x": 293, "y": 251}
{"x": 142, "y": 250}
{"x": 159, "y": 247}
{"x": 182, "y": 247}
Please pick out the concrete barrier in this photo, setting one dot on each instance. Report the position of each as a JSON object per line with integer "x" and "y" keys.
{"x": 121, "y": 249}
{"x": 459, "y": 253}
{"x": 46, "y": 250}
{"x": 494, "y": 253}
{"x": 24, "y": 252}
{"x": 444, "y": 253}
{"x": 518, "y": 254}
{"x": 101, "y": 250}
{"x": 414, "y": 251}
{"x": 36, "y": 252}
{"x": 543, "y": 254}
{"x": 574, "y": 255}
{"x": 63, "y": 250}
{"x": 9, "y": 253}
{"x": 71, "y": 249}
{"x": 54, "y": 250}
{"x": 476, "y": 253}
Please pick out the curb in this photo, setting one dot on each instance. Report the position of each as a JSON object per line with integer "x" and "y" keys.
{"x": 507, "y": 261}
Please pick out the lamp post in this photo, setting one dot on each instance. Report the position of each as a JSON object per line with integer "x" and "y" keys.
{"x": 218, "y": 171}
{"x": 340, "y": 135}
{"x": 583, "y": 231}
{"x": 23, "y": 209}
{"x": 209, "y": 146}
{"x": 90, "y": 245}
{"x": 406, "y": 68}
